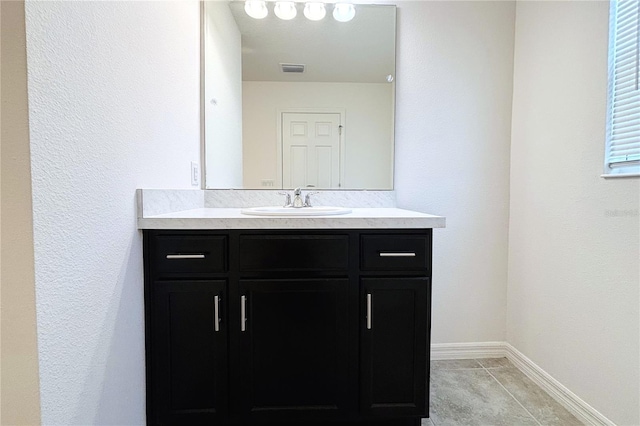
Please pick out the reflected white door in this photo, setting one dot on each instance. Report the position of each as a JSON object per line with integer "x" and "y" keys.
{"x": 311, "y": 150}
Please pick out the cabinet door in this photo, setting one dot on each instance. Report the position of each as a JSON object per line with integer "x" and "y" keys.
{"x": 293, "y": 349}
{"x": 189, "y": 352}
{"x": 394, "y": 346}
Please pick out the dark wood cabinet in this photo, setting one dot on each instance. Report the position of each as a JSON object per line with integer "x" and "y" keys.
{"x": 394, "y": 356}
{"x": 293, "y": 352}
{"x": 189, "y": 344}
{"x": 287, "y": 326}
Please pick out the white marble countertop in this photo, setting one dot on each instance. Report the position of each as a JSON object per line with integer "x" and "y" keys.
{"x": 232, "y": 218}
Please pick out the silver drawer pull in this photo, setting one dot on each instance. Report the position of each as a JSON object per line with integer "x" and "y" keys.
{"x": 388, "y": 254}
{"x": 185, "y": 256}
{"x": 243, "y": 313}
{"x": 368, "y": 311}
{"x": 216, "y": 313}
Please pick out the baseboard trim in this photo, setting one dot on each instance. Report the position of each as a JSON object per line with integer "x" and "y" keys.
{"x": 572, "y": 402}
{"x": 441, "y": 351}
{"x": 576, "y": 405}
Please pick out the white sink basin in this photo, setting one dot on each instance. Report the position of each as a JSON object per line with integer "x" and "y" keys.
{"x": 291, "y": 211}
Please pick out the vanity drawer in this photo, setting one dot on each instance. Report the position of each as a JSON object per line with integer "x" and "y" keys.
{"x": 394, "y": 252}
{"x": 294, "y": 253}
{"x": 189, "y": 254}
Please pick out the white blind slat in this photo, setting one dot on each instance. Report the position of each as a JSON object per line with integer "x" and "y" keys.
{"x": 630, "y": 50}
{"x": 626, "y": 128}
{"x": 624, "y": 152}
{"x": 627, "y": 89}
{"x": 628, "y": 97}
{"x": 624, "y": 131}
{"x": 620, "y": 147}
{"x": 626, "y": 28}
{"x": 629, "y": 160}
{"x": 625, "y": 70}
{"x": 624, "y": 59}
{"x": 626, "y": 107}
{"x": 625, "y": 156}
{"x": 623, "y": 33}
{"x": 625, "y": 114}
{"x": 626, "y": 11}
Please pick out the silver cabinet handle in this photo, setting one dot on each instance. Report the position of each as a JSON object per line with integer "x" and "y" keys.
{"x": 186, "y": 256}
{"x": 216, "y": 313}
{"x": 243, "y": 313}
{"x": 368, "y": 311}
{"x": 388, "y": 254}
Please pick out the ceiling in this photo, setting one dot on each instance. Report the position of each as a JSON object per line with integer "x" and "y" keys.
{"x": 361, "y": 50}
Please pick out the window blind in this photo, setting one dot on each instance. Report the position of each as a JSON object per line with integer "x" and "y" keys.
{"x": 623, "y": 121}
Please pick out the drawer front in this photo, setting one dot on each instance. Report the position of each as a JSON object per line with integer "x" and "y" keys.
{"x": 394, "y": 252}
{"x": 192, "y": 254}
{"x": 304, "y": 253}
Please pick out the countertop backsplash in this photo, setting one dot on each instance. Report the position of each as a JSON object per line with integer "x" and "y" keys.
{"x": 259, "y": 198}
{"x": 153, "y": 202}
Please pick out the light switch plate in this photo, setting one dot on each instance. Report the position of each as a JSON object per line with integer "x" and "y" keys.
{"x": 195, "y": 174}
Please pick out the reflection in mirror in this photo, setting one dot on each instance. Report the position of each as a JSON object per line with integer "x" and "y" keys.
{"x": 297, "y": 102}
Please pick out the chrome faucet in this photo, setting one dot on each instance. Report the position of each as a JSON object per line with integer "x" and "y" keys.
{"x": 297, "y": 198}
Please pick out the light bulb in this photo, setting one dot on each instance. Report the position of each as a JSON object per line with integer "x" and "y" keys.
{"x": 285, "y": 10}
{"x": 257, "y": 9}
{"x": 314, "y": 11}
{"x": 344, "y": 12}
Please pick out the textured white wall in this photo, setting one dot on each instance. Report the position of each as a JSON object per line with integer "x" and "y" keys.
{"x": 573, "y": 293}
{"x": 114, "y": 106}
{"x": 223, "y": 86}
{"x": 368, "y": 127}
{"x": 20, "y": 401}
{"x": 114, "y": 95}
{"x": 453, "y": 121}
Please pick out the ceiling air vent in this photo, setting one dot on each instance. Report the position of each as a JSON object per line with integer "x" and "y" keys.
{"x": 292, "y": 67}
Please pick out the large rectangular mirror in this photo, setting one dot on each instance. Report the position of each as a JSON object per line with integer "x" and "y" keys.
{"x": 298, "y": 102}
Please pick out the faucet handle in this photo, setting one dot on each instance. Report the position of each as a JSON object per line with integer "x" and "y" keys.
{"x": 287, "y": 202}
{"x": 297, "y": 191}
{"x": 307, "y": 198}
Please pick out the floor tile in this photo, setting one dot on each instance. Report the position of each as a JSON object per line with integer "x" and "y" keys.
{"x": 540, "y": 404}
{"x": 427, "y": 422}
{"x": 494, "y": 362}
{"x": 473, "y": 397}
{"x": 455, "y": 364}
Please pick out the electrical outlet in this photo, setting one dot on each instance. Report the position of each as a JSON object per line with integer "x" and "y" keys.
{"x": 195, "y": 174}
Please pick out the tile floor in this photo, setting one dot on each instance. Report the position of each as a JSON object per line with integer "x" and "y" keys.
{"x": 490, "y": 392}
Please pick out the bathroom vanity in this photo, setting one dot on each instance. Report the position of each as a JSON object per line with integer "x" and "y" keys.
{"x": 299, "y": 323}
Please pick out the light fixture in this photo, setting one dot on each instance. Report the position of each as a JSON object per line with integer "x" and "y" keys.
{"x": 314, "y": 11}
{"x": 344, "y": 12}
{"x": 256, "y": 8}
{"x": 285, "y": 10}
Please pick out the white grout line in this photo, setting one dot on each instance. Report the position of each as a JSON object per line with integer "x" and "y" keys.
{"x": 515, "y": 399}
{"x": 479, "y": 366}
{"x": 457, "y": 369}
